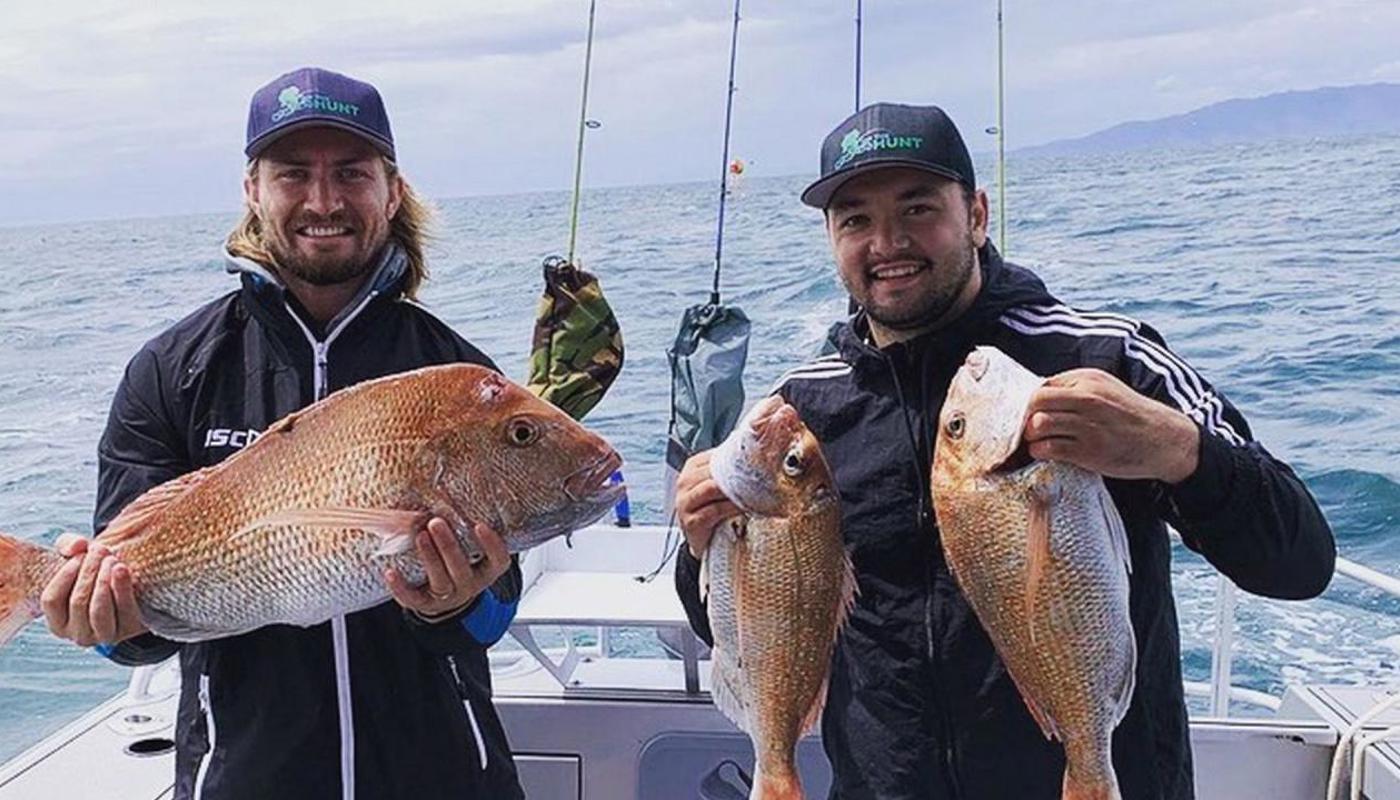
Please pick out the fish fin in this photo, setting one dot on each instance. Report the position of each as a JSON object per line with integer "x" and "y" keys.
{"x": 814, "y": 714}
{"x": 783, "y": 786}
{"x": 731, "y": 699}
{"x": 704, "y": 574}
{"x": 21, "y": 583}
{"x": 284, "y": 425}
{"x": 1043, "y": 494}
{"x": 395, "y": 527}
{"x": 178, "y": 630}
{"x": 1045, "y": 721}
{"x": 724, "y": 690}
{"x": 1117, "y": 533}
{"x": 849, "y": 589}
{"x": 134, "y": 519}
{"x": 1101, "y": 789}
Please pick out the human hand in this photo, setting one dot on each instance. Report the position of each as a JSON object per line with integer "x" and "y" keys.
{"x": 1089, "y": 418}
{"x": 90, "y": 600}
{"x": 454, "y": 580}
{"x": 700, "y": 505}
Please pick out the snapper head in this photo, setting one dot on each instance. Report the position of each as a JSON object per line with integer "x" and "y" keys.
{"x": 544, "y": 474}
{"x": 771, "y": 465}
{"x": 984, "y": 416}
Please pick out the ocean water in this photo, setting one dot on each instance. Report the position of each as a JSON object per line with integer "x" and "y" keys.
{"x": 1274, "y": 268}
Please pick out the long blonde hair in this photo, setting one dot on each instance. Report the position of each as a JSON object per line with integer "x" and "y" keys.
{"x": 410, "y": 228}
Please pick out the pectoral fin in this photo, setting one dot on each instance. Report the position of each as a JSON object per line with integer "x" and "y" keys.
{"x": 1042, "y": 496}
{"x": 395, "y": 527}
{"x": 704, "y": 574}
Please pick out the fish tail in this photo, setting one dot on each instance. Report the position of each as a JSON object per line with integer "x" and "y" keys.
{"x": 1102, "y": 787}
{"x": 776, "y": 785}
{"x": 24, "y": 568}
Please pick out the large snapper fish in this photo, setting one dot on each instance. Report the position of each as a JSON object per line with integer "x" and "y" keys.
{"x": 779, "y": 584}
{"x": 1040, "y": 552}
{"x": 299, "y": 526}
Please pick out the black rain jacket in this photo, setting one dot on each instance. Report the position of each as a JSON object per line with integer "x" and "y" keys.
{"x": 919, "y": 704}
{"x": 375, "y": 704}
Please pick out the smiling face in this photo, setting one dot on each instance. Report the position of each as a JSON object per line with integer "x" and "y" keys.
{"x": 325, "y": 199}
{"x": 906, "y": 244}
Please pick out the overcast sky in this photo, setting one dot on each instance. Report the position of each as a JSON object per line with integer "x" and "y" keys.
{"x": 108, "y": 110}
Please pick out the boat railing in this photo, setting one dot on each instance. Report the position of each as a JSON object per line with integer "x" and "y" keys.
{"x": 1220, "y": 691}
{"x": 144, "y": 685}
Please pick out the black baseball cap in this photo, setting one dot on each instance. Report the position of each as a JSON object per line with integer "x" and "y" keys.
{"x": 311, "y": 97}
{"x": 890, "y": 135}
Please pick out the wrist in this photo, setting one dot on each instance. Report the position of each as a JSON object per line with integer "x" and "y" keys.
{"x": 443, "y": 616}
{"x": 1184, "y": 449}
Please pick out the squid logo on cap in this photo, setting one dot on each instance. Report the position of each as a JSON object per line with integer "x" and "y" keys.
{"x": 855, "y": 143}
{"x": 294, "y": 100}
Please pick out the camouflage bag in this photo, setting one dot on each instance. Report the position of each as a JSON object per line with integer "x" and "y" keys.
{"x": 577, "y": 349}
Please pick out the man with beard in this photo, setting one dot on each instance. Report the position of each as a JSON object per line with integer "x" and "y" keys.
{"x": 393, "y": 701}
{"x": 918, "y": 704}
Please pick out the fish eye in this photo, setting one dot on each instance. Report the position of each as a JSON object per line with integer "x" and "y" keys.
{"x": 792, "y": 463}
{"x": 521, "y": 432}
{"x": 955, "y": 426}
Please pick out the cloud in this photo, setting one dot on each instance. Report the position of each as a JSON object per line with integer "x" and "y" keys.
{"x": 484, "y": 95}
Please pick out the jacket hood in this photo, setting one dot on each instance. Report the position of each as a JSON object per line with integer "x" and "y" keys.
{"x": 268, "y": 291}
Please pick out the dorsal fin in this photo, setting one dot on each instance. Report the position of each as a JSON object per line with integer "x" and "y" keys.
{"x": 139, "y": 512}
{"x": 283, "y": 425}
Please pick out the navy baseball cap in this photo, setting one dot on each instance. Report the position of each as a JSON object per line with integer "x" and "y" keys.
{"x": 890, "y": 135}
{"x": 311, "y": 97}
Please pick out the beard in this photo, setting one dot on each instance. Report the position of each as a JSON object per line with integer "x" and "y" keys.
{"x": 321, "y": 269}
{"x": 949, "y": 279}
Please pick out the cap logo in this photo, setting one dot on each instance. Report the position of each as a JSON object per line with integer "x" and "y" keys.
{"x": 856, "y": 143}
{"x": 293, "y": 100}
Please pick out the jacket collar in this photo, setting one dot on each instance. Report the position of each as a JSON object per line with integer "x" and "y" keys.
{"x": 266, "y": 292}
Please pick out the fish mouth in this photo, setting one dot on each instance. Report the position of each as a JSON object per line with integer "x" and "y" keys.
{"x": 593, "y": 480}
{"x": 1019, "y": 458}
{"x": 976, "y": 364}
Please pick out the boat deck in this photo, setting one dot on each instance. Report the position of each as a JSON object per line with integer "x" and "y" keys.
{"x": 590, "y": 717}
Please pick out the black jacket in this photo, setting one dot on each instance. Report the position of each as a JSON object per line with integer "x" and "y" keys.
{"x": 375, "y": 704}
{"x": 919, "y": 704}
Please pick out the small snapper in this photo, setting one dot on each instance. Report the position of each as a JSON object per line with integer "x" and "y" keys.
{"x": 778, "y": 583}
{"x": 1040, "y": 552}
{"x": 299, "y": 526}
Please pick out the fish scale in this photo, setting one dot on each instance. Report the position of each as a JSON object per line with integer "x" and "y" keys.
{"x": 300, "y": 525}
{"x": 777, "y": 584}
{"x": 1065, "y": 636}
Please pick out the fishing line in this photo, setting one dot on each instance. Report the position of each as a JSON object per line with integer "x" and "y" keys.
{"x": 583, "y": 125}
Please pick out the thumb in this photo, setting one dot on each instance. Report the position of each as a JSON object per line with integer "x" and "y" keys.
{"x": 70, "y": 544}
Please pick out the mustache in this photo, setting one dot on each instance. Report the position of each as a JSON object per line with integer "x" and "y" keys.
{"x": 335, "y": 219}
{"x": 910, "y": 256}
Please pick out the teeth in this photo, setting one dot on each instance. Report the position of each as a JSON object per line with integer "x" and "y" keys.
{"x": 896, "y": 272}
{"x": 320, "y": 231}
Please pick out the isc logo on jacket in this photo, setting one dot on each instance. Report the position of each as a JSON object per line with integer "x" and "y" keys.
{"x": 225, "y": 437}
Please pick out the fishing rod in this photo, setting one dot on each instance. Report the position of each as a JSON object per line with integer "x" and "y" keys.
{"x": 724, "y": 163}
{"x": 583, "y": 124}
{"x": 858, "y": 32}
{"x": 1001, "y": 136}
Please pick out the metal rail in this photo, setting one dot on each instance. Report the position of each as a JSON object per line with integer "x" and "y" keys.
{"x": 1219, "y": 689}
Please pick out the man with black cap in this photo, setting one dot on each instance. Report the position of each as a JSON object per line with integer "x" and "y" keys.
{"x": 393, "y": 701}
{"x": 919, "y": 705}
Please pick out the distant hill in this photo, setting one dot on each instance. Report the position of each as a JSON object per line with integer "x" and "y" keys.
{"x": 1331, "y": 111}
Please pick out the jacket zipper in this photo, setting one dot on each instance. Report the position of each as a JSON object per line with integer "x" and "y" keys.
{"x": 206, "y": 707}
{"x": 471, "y": 715}
{"x": 924, "y": 513}
{"x": 340, "y": 643}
